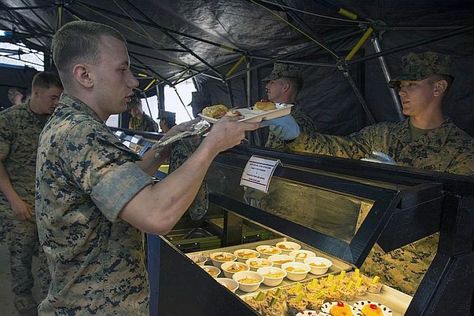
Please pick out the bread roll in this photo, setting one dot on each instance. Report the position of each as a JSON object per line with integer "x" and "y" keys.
{"x": 215, "y": 111}
{"x": 264, "y": 105}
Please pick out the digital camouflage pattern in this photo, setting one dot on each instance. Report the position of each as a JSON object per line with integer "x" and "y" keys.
{"x": 145, "y": 124}
{"x": 85, "y": 176}
{"x": 19, "y": 132}
{"x": 283, "y": 71}
{"x": 180, "y": 152}
{"x": 446, "y": 149}
{"x": 422, "y": 65}
{"x": 305, "y": 123}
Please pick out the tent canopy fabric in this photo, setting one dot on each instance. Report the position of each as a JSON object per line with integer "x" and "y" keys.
{"x": 217, "y": 41}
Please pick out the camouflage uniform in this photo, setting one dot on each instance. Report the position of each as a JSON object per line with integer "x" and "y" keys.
{"x": 445, "y": 149}
{"x": 145, "y": 124}
{"x": 305, "y": 123}
{"x": 19, "y": 132}
{"x": 85, "y": 177}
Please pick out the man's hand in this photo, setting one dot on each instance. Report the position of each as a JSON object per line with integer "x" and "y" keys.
{"x": 284, "y": 127}
{"x": 22, "y": 210}
{"x": 186, "y": 126}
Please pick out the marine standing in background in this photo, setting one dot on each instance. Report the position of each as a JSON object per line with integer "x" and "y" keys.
{"x": 20, "y": 127}
{"x": 139, "y": 121}
{"x": 425, "y": 140}
{"x": 282, "y": 86}
{"x": 167, "y": 120}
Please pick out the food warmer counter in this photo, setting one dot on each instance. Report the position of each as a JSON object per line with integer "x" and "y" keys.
{"x": 337, "y": 208}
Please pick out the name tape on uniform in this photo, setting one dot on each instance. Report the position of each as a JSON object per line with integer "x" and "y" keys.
{"x": 258, "y": 172}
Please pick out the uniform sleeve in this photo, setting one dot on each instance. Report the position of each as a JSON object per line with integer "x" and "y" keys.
{"x": 6, "y": 135}
{"x": 355, "y": 146}
{"x": 102, "y": 168}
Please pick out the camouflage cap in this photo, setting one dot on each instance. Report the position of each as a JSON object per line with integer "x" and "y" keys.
{"x": 422, "y": 65}
{"x": 284, "y": 71}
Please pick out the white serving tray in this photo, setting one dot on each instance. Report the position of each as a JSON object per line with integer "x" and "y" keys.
{"x": 250, "y": 115}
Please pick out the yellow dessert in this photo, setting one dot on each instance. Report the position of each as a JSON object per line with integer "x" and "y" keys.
{"x": 371, "y": 310}
{"x": 341, "y": 309}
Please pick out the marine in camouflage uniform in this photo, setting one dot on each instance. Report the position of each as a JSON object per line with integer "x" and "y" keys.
{"x": 293, "y": 74}
{"x": 145, "y": 124}
{"x": 85, "y": 177}
{"x": 20, "y": 128}
{"x": 445, "y": 148}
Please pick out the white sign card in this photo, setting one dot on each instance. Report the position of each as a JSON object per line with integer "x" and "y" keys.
{"x": 258, "y": 173}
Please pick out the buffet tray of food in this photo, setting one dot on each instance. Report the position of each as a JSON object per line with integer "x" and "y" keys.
{"x": 261, "y": 111}
{"x": 283, "y": 277}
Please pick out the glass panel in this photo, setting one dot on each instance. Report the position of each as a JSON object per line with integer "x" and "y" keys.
{"x": 328, "y": 212}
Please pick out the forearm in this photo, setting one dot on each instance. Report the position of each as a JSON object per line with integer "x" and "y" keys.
{"x": 151, "y": 162}
{"x": 6, "y": 186}
{"x": 165, "y": 202}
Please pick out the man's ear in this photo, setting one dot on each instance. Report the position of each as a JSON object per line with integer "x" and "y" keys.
{"x": 82, "y": 75}
{"x": 440, "y": 87}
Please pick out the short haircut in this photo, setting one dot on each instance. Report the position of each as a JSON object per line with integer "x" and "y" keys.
{"x": 46, "y": 80}
{"x": 78, "y": 42}
{"x": 169, "y": 120}
{"x": 297, "y": 83}
{"x": 12, "y": 92}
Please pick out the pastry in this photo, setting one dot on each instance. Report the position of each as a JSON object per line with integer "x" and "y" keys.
{"x": 371, "y": 310}
{"x": 341, "y": 309}
{"x": 264, "y": 105}
{"x": 215, "y": 111}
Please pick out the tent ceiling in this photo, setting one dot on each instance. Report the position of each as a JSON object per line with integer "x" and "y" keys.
{"x": 174, "y": 40}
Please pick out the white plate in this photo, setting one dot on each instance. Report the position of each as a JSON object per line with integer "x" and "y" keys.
{"x": 360, "y": 304}
{"x": 326, "y": 307}
{"x": 311, "y": 313}
{"x": 250, "y": 115}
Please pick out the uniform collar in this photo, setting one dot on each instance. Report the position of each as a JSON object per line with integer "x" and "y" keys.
{"x": 77, "y": 104}
{"x": 439, "y": 134}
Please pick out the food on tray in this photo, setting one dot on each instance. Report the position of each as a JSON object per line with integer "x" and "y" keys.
{"x": 340, "y": 309}
{"x": 288, "y": 246}
{"x": 248, "y": 280}
{"x": 233, "y": 113}
{"x": 236, "y": 267}
{"x": 282, "y": 261}
{"x": 371, "y": 310}
{"x": 246, "y": 253}
{"x": 264, "y": 105}
{"x": 213, "y": 271}
{"x": 268, "y": 250}
{"x": 272, "y": 274}
{"x": 296, "y": 270}
{"x": 222, "y": 257}
{"x": 258, "y": 263}
{"x": 215, "y": 111}
{"x": 318, "y": 265}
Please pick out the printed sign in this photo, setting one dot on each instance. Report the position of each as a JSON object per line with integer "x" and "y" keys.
{"x": 258, "y": 173}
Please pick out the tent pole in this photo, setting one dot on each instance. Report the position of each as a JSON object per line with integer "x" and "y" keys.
{"x": 383, "y": 65}
{"x": 462, "y": 30}
{"x": 229, "y": 92}
{"x": 249, "y": 83}
{"x": 345, "y": 70}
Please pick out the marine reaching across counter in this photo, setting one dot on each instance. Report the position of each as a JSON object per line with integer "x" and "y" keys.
{"x": 425, "y": 140}
{"x": 95, "y": 197}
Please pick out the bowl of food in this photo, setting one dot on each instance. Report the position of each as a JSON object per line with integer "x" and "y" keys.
{"x": 231, "y": 267}
{"x": 249, "y": 281}
{"x": 267, "y": 251}
{"x": 272, "y": 276}
{"x": 255, "y": 263}
{"x": 230, "y": 284}
{"x": 300, "y": 255}
{"x": 318, "y": 265}
{"x": 198, "y": 258}
{"x": 288, "y": 246}
{"x": 245, "y": 254}
{"x": 218, "y": 258}
{"x": 296, "y": 271}
{"x": 278, "y": 260}
{"x": 213, "y": 271}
